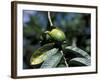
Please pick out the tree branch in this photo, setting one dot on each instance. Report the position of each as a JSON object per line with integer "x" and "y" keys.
{"x": 74, "y": 42}
{"x": 64, "y": 58}
{"x": 49, "y": 18}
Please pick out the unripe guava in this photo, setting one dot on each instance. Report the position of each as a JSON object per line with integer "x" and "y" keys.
{"x": 57, "y": 35}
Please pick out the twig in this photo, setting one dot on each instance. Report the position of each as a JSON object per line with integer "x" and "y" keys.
{"x": 49, "y": 17}
{"x": 64, "y": 58}
{"x": 74, "y": 42}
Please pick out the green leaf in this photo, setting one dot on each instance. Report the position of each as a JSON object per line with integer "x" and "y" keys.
{"x": 52, "y": 61}
{"x": 42, "y": 54}
{"x": 62, "y": 63}
{"x": 77, "y": 51}
{"x": 79, "y": 62}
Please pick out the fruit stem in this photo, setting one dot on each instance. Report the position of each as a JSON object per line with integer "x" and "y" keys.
{"x": 64, "y": 58}
{"x": 49, "y": 17}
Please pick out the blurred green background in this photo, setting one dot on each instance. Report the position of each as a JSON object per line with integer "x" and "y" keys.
{"x": 75, "y": 25}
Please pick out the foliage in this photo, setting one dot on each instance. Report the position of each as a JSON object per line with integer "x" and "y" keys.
{"x": 41, "y": 52}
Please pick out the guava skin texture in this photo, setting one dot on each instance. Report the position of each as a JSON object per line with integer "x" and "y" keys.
{"x": 57, "y": 34}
